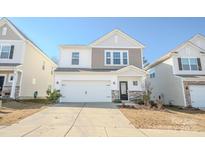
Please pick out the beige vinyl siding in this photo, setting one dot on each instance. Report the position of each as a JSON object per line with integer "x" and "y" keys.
{"x": 98, "y": 57}
{"x": 167, "y": 84}
{"x": 10, "y": 35}
{"x": 32, "y": 70}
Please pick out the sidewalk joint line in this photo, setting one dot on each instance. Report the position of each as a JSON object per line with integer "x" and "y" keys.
{"x": 74, "y": 120}
{"x": 106, "y": 131}
{"x": 30, "y": 131}
{"x": 143, "y": 132}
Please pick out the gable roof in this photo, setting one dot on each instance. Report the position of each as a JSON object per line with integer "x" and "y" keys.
{"x": 173, "y": 51}
{"x": 117, "y": 31}
{"x": 131, "y": 67}
{"x": 24, "y": 37}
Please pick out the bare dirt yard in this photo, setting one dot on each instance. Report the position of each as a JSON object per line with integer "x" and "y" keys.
{"x": 13, "y": 111}
{"x": 169, "y": 118}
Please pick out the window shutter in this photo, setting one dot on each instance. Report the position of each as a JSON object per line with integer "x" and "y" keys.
{"x": 180, "y": 63}
{"x": 199, "y": 64}
{"x": 11, "y": 52}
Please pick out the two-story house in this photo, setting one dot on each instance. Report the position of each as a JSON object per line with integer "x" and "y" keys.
{"x": 110, "y": 68}
{"x": 179, "y": 76}
{"x": 24, "y": 68}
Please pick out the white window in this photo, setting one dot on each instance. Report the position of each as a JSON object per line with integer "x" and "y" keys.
{"x": 108, "y": 58}
{"x": 116, "y": 57}
{"x": 152, "y": 73}
{"x": 5, "y": 51}
{"x": 125, "y": 58}
{"x": 4, "y": 31}
{"x": 189, "y": 64}
{"x": 135, "y": 83}
{"x": 75, "y": 58}
{"x": 11, "y": 78}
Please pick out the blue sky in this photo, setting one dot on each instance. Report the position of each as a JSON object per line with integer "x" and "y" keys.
{"x": 159, "y": 35}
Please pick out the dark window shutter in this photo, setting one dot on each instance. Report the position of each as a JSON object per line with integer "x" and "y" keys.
{"x": 199, "y": 64}
{"x": 11, "y": 52}
{"x": 180, "y": 63}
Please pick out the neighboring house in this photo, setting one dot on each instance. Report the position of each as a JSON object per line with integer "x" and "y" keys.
{"x": 179, "y": 76}
{"x": 24, "y": 68}
{"x": 106, "y": 70}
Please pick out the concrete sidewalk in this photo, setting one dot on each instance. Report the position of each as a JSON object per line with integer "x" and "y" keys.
{"x": 83, "y": 120}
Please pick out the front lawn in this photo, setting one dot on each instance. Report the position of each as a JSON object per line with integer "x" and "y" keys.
{"x": 169, "y": 118}
{"x": 13, "y": 111}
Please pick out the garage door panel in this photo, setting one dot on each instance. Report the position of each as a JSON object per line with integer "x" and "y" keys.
{"x": 197, "y": 93}
{"x": 86, "y": 91}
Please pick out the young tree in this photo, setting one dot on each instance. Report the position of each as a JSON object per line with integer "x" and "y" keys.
{"x": 147, "y": 93}
{"x": 145, "y": 62}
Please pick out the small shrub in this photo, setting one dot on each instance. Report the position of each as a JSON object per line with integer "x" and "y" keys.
{"x": 117, "y": 101}
{"x": 54, "y": 95}
{"x": 139, "y": 101}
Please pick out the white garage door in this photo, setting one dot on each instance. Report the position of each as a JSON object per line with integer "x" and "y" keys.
{"x": 197, "y": 93}
{"x": 86, "y": 91}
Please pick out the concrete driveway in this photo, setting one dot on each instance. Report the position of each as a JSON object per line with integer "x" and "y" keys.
{"x": 74, "y": 120}
{"x": 82, "y": 120}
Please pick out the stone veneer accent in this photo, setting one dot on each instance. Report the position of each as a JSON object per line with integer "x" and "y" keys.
{"x": 187, "y": 91}
{"x": 133, "y": 95}
{"x": 115, "y": 95}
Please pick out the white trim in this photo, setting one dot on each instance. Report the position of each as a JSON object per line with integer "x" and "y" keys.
{"x": 116, "y": 31}
{"x": 21, "y": 82}
{"x": 142, "y": 55}
{"x": 4, "y": 31}
{"x": 5, "y": 44}
{"x": 127, "y": 47}
{"x": 121, "y": 57}
{"x": 75, "y": 58}
{"x": 183, "y": 93}
{"x": 9, "y": 77}
{"x": 190, "y": 64}
{"x": 12, "y": 41}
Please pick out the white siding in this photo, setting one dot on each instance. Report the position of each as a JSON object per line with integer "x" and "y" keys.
{"x": 199, "y": 41}
{"x": 116, "y": 41}
{"x": 60, "y": 77}
{"x": 84, "y": 57}
{"x": 113, "y": 78}
{"x": 189, "y": 51}
{"x": 167, "y": 84}
{"x": 130, "y": 80}
{"x": 19, "y": 50}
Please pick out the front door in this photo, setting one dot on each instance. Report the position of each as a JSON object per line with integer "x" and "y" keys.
{"x": 1, "y": 83}
{"x": 123, "y": 90}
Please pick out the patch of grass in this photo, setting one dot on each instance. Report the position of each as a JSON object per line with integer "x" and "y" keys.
{"x": 40, "y": 101}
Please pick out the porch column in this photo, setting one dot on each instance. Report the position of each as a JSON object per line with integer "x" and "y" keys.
{"x": 13, "y": 88}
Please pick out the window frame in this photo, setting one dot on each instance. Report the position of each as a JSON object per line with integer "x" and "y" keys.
{"x": 152, "y": 74}
{"x": 9, "y": 78}
{"x": 1, "y": 46}
{"x": 72, "y": 58}
{"x": 112, "y": 57}
{"x": 189, "y": 63}
{"x": 108, "y": 58}
{"x": 4, "y": 31}
{"x": 133, "y": 82}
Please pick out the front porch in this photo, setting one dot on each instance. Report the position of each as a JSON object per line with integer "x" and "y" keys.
{"x": 129, "y": 84}
{"x": 10, "y": 80}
